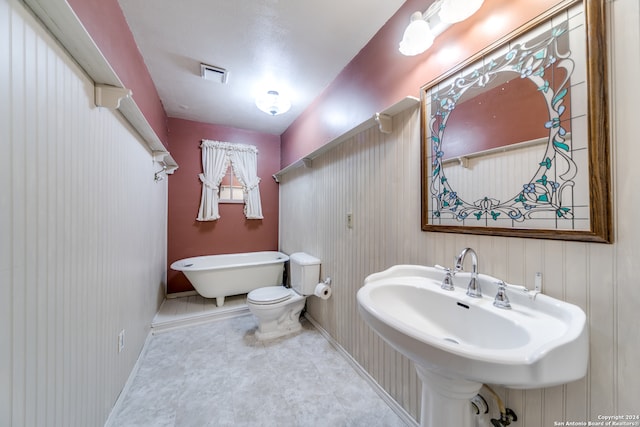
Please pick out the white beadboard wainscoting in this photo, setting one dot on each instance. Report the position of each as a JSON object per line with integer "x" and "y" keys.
{"x": 376, "y": 177}
{"x": 82, "y": 236}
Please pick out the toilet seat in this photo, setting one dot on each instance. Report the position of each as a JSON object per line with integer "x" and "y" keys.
{"x": 269, "y": 295}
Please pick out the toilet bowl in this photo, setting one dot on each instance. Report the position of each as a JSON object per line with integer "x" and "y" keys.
{"x": 278, "y": 308}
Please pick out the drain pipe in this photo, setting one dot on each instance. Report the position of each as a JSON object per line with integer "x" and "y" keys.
{"x": 507, "y": 416}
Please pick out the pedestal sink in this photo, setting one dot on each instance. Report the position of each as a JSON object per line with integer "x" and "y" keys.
{"x": 459, "y": 342}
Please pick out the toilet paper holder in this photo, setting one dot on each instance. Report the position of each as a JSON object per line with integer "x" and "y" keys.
{"x": 323, "y": 289}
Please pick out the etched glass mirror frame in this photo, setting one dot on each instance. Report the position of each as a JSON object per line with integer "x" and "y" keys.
{"x": 566, "y": 193}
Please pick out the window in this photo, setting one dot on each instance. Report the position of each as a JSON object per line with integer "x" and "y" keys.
{"x": 216, "y": 158}
{"x": 230, "y": 188}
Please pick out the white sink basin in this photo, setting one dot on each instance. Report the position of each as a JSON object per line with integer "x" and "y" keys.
{"x": 537, "y": 343}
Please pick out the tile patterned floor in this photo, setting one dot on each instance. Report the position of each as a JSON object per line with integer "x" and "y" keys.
{"x": 218, "y": 374}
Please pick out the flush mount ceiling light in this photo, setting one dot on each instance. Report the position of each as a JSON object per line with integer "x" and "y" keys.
{"x": 417, "y": 37}
{"x": 424, "y": 27}
{"x": 273, "y": 103}
{"x": 452, "y": 11}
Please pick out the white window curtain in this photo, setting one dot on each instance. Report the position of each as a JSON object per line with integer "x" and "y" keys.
{"x": 244, "y": 161}
{"x": 216, "y": 156}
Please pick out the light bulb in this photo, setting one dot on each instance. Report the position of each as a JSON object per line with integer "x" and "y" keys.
{"x": 417, "y": 37}
{"x": 453, "y": 11}
{"x": 273, "y": 103}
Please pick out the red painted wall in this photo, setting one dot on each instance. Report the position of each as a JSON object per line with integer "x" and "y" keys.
{"x": 232, "y": 233}
{"x": 107, "y": 26}
{"x": 105, "y": 22}
{"x": 379, "y": 76}
{"x": 511, "y": 113}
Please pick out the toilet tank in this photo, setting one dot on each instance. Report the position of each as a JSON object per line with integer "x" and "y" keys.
{"x": 305, "y": 272}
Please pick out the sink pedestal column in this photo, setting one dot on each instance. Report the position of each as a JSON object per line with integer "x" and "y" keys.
{"x": 446, "y": 401}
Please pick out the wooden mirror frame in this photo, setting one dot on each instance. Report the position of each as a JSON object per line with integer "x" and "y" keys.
{"x": 597, "y": 131}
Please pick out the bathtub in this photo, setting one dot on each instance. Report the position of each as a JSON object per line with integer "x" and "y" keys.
{"x": 219, "y": 276}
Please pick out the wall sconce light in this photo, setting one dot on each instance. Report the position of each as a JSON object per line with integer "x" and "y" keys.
{"x": 273, "y": 103}
{"x": 417, "y": 37}
{"x": 424, "y": 27}
{"x": 452, "y": 11}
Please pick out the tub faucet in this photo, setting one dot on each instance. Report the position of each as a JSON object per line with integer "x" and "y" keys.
{"x": 473, "y": 290}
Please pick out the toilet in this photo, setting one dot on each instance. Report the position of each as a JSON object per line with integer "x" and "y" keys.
{"x": 278, "y": 308}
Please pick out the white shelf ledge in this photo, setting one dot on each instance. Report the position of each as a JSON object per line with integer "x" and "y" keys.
{"x": 64, "y": 24}
{"x": 464, "y": 159}
{"x": 382, "y": 119}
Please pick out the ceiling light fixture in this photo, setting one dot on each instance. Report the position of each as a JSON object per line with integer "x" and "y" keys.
{"x": 273, "y": 103}
{"x": 424, "y": 27}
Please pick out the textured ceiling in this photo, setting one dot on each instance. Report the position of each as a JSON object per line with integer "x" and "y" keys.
{"x": 294, "y": 46}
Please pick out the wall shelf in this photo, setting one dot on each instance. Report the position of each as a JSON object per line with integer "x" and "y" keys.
{"x": 382, "y": 119}
{"x": 464, "y": 159}
{"x": 64, "y": 24}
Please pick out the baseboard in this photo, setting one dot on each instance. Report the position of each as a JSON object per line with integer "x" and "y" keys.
{"x": 127, "y": 385}
{"x": 395, "y": 406}
{"x": 182, "y": 294}
{"x": 199, "y": 319}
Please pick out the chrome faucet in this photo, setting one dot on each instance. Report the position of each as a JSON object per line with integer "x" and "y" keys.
{"x": 473, "y": 289}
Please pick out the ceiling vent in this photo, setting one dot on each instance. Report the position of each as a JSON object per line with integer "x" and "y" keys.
{"x": 215, "y": 74}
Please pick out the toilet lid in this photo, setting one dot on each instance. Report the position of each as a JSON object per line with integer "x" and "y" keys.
{"x": 269, "y": 295}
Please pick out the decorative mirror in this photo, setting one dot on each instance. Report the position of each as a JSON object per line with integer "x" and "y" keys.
{"x": 515, "y": 140}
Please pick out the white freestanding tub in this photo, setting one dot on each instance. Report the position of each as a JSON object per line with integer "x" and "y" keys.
{"x": 219, "y": 276}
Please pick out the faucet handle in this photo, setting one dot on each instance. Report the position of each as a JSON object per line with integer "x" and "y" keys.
{"x": 447, "y": 282}
{"x": 502, "y": 300}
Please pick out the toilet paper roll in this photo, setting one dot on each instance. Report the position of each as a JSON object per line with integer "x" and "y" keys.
{"x": 322, "y": 291}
